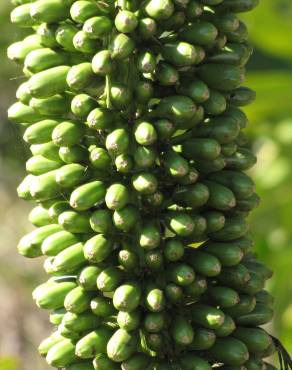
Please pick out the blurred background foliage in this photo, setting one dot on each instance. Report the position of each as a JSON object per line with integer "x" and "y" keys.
{"x": 22, "y": 325}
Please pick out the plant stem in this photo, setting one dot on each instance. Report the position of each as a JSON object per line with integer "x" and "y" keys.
{"x": 108, "y": 91}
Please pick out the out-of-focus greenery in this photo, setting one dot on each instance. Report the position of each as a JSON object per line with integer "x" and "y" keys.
{"x": 270, "y": 74}
{"x": 270, "y": 130}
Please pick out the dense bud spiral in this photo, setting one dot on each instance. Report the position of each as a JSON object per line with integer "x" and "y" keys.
{"x": 132, "y": 113}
